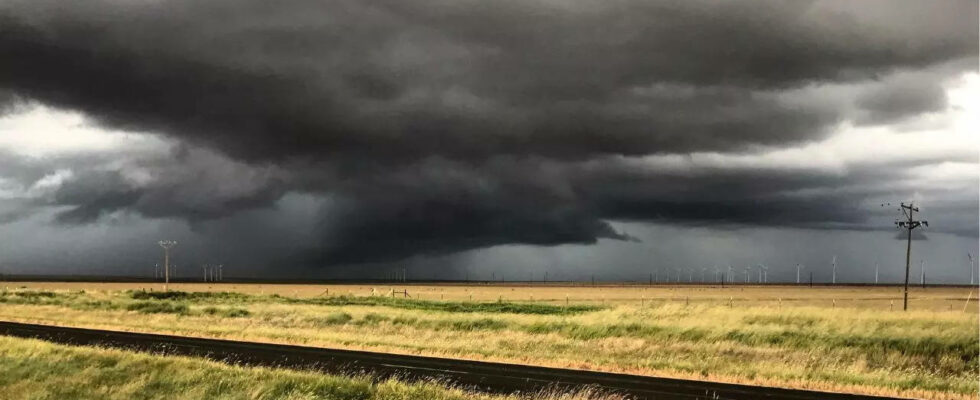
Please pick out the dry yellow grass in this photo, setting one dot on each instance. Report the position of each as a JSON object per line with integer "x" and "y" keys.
{"x": 35, "y": 370}
{"x": 853, "y": 347}
{"x": 880, "y": 297}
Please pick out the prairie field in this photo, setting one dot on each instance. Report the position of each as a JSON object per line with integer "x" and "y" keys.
{"x": 876, "y": 297}
{"x": 36, "y": 370}
{"x": 849, "y": 339}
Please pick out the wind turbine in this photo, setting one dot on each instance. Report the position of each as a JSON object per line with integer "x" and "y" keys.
{"x": 167, "y": 245}
{"x": 747, "y": 270}
{"x": 834, "y": 276}
{"x": 970, "y": 256}
{"x": 798, "y": 267}
{"x": 876, "y": 272}
{"x": 731, "y": 275}
{"x": 717, "y": 272}
{"x": 702, "y": 273}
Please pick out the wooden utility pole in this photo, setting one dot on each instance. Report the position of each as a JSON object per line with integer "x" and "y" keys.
{"x": 909, "y": 224}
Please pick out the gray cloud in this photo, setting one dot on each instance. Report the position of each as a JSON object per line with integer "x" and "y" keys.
{"x": 192, "y": 184}
{"x": 398, "y": 80}
{"x": 441, "y": 127}
{"x": 901, "y": 100}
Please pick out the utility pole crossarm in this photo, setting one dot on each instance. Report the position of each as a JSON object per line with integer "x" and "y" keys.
{"x": 909, "y": 224}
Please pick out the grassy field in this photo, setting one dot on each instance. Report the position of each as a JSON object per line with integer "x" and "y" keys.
{"x": 36, "y": 370}
{"x": 880, "y": 297}
{"x": 839, "y": 339}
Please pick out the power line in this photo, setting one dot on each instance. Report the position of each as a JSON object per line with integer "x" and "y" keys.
{"x": 909, "y": 224}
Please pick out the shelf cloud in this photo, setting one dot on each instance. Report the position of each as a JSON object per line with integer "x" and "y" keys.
{"x": 437, "y": 127}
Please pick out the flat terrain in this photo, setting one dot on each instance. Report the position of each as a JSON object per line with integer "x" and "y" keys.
{"x": 36, "y": 370}
{"x": 876, "y": 297}
{"x": 838, "y": 339}
{"x": 491, "y": 377}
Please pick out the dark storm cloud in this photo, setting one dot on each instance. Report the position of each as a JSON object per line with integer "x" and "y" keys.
{"x": 380, "y": 230}
{"x": 753, "y": 195}
{"x": 439, "y": 127}
{"x": 916, "y": 235}
{"x": 409, "y": 80}
{"x": 902, "y": 100}
{"x": 191, "y": 184}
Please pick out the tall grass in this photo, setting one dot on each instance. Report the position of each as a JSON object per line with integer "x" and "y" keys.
{"x": 35, "y": 370}
{"x": 158, "y": 307}
{"x": 446, "y": 306}
{"x": 211, "y": 297}
{"x": 916, "y": 354}
{"x": 382, "y": 301}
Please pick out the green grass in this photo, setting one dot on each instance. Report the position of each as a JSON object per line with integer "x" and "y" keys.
{"x": 190, "y": 296}
{"x": 226, "y": 312}
{"x": 381, "y": 301}
{"x": 336, "y": 318}
{"x": 74, "y": 300}
{"x": 446, "y": 306}
{"x": 36, "y": 370}
{"x": 158, "y": 307}
{"x": 39, "y": 297}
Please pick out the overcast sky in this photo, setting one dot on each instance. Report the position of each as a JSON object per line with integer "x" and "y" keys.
{"x": 332, "y": 139}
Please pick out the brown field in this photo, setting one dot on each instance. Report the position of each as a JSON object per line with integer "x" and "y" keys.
{"x": 846, "y": 338}
{"x": 864, "y": 297}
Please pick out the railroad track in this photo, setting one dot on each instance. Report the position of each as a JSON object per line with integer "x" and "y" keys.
{"x": 476, "y": 375}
